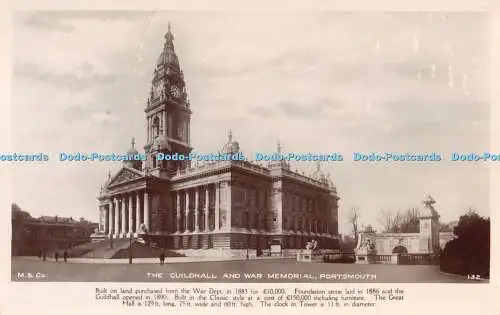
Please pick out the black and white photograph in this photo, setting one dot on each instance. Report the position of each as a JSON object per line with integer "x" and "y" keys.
{"x": 251, "y": 146}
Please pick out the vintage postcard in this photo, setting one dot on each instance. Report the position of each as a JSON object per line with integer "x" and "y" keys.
{"x": 311, "y": 159}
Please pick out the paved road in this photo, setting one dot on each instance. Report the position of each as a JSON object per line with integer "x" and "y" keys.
{"x": 276, "y": 270}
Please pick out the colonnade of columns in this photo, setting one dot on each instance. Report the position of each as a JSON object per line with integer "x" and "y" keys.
{"x": 124, "y": 214}
{"x": 197, "y": 209}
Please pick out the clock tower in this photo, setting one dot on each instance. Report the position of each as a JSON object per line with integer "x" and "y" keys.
{"x": 168, "y": 114}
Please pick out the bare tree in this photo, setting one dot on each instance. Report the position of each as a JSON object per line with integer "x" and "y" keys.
{"x": 353, "y": 220}
{"x": 401, "y": 221}
{"x": 388, "y": 220}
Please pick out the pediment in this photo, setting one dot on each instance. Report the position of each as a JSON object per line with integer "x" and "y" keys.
{"x": 126, "y": 174}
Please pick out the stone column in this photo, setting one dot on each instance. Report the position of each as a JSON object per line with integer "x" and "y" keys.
{"x": 130, "y": 215}
{"x": 137, "y": 212}
{"x": 187, "y": 212}
{"x": 101, "y": 218}
{"x": 207, "y": 204}
{"x": 117, "y": 217}
{"x": 196, "y": 209}
{"x": 106, "y": 219}
{"x": 124, "y": 216}
{"x": 146, "y": 210}
{"x": 149, "y": 129}
{"x": 165, "y": 123}
{"x": 110, "y": 217}
{"x": 178, "y": 205}
{"x": 217, "y": 206}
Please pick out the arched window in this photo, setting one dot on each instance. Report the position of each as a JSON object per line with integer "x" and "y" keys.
{"x": 156, "y": 127}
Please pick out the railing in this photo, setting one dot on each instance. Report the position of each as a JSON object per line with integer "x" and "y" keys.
{"x": 221, "y": 164}
{"x": 304, "y": 178}
{"x": 387, "y": 259}
{"x": 418, "y": 259}
{"x": 252, "y": 167}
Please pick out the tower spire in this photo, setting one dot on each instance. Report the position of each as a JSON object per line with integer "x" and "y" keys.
{"x": 169, "y": 37}
{"x": 230, "y": 136}
{"x": 133, "y": 143}
{"x": 279, "y": 146}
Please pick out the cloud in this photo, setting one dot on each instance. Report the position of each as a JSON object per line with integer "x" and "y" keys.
{"x": 44, "y": 22}
{"x": 78, "y": 79}
{"x": 315, "y": 81}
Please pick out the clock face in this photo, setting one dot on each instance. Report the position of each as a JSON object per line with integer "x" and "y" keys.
{"x": 159, "y": 88}
{"x": 176, "y": 91}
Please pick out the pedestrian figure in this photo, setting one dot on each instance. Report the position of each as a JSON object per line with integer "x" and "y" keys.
{"x": 44, "y": 255}
{"x": 40, "y": 254}
{"x": 56, "y": 255}
{"x": 162, "y": 258}
{"x": 65, "y": 255}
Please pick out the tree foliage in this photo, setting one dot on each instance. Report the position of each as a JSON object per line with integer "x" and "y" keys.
{"x": 469, "y": 253}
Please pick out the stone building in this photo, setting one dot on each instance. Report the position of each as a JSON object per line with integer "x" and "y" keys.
{"x": 225, "y": 204}
{"x": 31, "y": 235}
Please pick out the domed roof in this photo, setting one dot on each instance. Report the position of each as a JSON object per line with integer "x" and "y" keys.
{"x": 168, "y": 56}
{"x": 132, "y": 150}
{"x": 231, "y": 147}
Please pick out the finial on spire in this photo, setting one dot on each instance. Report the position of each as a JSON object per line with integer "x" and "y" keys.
{"x": 279, "y": 146}
{"x": 230, "y": 136}
{"x": 133, "y": 143}
{"x": 168, "y": 36}
{"x": 429, "y": 201}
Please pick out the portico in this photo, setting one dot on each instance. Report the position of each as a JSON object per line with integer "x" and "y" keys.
{"x": 125, "y": 214}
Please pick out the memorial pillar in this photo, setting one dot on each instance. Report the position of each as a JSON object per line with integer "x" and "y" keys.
{"x": 196, "y": 209}
{"x": 207, "y": 204}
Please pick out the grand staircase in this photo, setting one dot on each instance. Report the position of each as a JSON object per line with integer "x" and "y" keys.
{"x": 103, "y": 249}
{"x": 120, "y": 249}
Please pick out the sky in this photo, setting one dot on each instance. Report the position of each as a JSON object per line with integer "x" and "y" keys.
{"x": 316, "y": 81}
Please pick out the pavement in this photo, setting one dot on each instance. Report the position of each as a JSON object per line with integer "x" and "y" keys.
{"x": 265, "y": 270}
{"x": 152, "y": 260}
